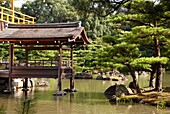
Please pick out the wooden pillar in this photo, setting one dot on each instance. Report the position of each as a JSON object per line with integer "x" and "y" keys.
{"x": 11, "y": 63}
{"x": 72, "y": 70}
{"x": 26, "y": 54}
{"x": 59, "y": 68}
{"x": 26, "y": 62}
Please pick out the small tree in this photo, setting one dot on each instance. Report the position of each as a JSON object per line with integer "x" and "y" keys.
{"x": 26, "y": 106}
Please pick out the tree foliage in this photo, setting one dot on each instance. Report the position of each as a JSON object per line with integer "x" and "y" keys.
{"x": 50, "y": 11}
{"x": 101, "y": 8}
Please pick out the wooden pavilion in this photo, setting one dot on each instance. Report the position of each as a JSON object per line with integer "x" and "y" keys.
{"x": 51, "y": 36}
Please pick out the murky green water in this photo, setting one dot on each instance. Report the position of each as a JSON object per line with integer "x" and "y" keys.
{"x": 88, "y": 100}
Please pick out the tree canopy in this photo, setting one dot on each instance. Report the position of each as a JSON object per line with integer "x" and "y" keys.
{"x": 99, "y": 7}
{"x": 50, "y": 11}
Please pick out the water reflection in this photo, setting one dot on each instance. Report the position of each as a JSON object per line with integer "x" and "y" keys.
{"x": 88, "y": 100}
{"x": 72, "y": 97}
{"x": 19, "y": 93}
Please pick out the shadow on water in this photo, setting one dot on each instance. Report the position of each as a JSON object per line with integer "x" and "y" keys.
{"x": 88, "y": 98}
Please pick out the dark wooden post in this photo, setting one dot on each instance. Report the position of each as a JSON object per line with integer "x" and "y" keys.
{"x": 59, "y": 68}
{"x": 26, "y": 54}
{"x": 26, "y": 62}
{"x": 72, "y": 70}
{"x": 11, "y": 63}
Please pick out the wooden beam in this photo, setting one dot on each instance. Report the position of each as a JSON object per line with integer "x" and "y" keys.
{"x": 29, "y": 39}
{"x": 41, "y": 48}
{"x": 49, "y": 25}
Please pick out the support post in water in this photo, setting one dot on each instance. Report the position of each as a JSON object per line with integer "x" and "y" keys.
{"x": 59, "y": 91}
{"x": 72, "y": 88}
{"x": 25, "y": 88}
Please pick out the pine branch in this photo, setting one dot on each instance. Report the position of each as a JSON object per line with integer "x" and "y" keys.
{"x": 112, "y": 6}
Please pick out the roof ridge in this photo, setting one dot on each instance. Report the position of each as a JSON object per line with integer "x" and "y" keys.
{"x": 46, "y": 25}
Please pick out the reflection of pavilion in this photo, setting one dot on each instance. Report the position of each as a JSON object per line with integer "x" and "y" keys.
{"x": 54, "y": 36}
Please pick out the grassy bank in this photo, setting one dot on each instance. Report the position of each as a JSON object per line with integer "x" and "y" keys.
{"x": 159, "y": 99}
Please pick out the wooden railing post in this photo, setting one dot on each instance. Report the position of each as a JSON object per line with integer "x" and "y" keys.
{"x": 7, "y": 18}
{"x": 23, "y": 19}
{"x": 2, "y": 13}
{"x": 33, "y": 20}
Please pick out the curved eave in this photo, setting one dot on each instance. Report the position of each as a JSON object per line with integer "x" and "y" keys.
{"x": 45, "y": 34}
{"x": 85, "y": 37}
{"x": 81, "y": 37}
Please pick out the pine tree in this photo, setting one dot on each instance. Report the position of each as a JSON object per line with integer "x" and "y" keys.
{"x": 147, "y": 20}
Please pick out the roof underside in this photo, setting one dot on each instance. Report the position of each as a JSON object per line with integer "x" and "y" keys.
{"x": 45, "y": 34}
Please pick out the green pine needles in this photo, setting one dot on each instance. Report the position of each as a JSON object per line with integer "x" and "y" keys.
{"x": 26, "y": 106}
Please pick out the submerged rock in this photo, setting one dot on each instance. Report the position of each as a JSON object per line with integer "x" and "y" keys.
{"x": 83, "y": 75}
{"x": 42, "y": 83}
{"x": 102, "y": 78}
{"x": 167, "y": 89}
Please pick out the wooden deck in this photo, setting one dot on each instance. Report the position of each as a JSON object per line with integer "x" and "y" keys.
{"x": 37, "y": 69}
{"x": 36, "y": 72}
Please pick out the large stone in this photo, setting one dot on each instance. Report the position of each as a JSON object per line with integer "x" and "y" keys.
{"x": 118, "y": 90}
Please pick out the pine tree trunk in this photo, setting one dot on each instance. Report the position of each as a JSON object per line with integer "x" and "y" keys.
{"x": 152, "y": 77}
{"x": 135, "y": 80}
{"x": 158, "y": 85}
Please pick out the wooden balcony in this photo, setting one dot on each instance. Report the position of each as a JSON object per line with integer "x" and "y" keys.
{"x": 38, "y": 69}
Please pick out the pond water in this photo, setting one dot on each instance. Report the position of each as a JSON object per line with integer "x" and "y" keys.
{"x": 88, "y": 100}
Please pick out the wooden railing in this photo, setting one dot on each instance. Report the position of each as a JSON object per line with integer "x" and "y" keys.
{"x": 11, "y": 16}
{"x": 35, "y": 63}
{"x": 66, "y": 63}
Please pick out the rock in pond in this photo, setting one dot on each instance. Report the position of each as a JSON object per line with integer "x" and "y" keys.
{"x": 102, "y": 78}
{"x": 117, "y": 90}
{"x": 83, "y": 75}
{"x": 167, "y": 89}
